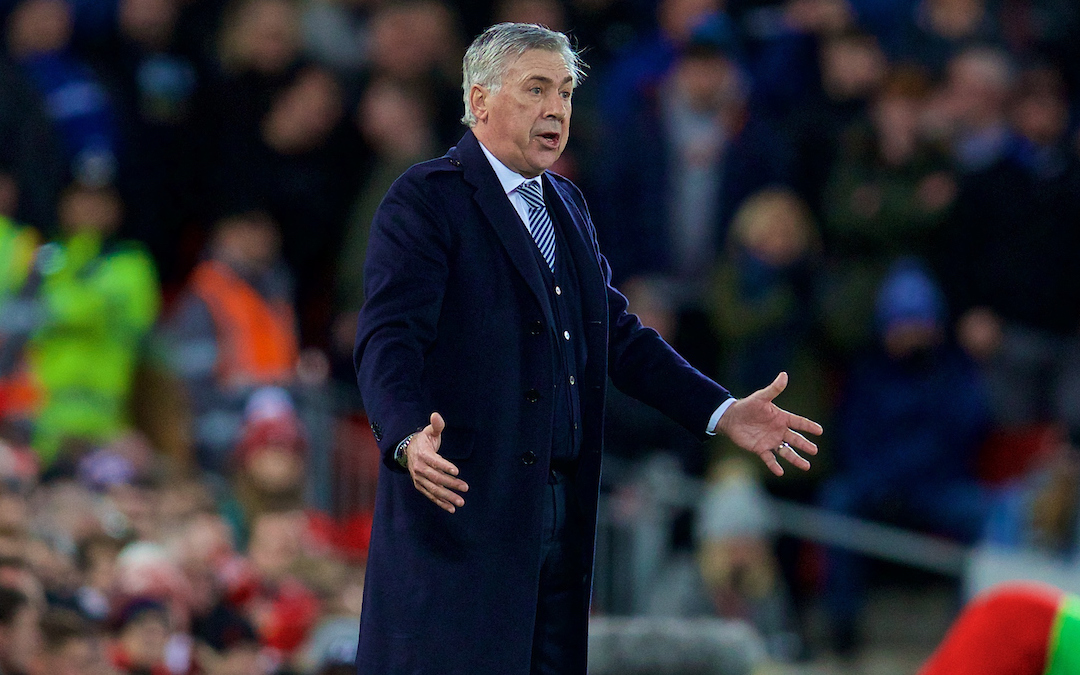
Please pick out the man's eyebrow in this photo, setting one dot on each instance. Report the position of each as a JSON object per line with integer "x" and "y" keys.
{"x": 547, "y": 80}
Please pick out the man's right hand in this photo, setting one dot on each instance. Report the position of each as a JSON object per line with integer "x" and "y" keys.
{"x": 435, "y": 477}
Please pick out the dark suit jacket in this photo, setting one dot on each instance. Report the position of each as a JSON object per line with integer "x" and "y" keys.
{"x": 457, "y": 320}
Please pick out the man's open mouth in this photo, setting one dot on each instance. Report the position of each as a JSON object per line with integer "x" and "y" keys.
{"x": 550, "y": 138}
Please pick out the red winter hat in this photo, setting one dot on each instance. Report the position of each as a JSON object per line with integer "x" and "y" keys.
{"x": 1004, "y": 631}
{"x": 270, "y": 420}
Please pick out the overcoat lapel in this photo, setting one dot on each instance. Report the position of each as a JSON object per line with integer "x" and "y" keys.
{"x": 504, "y": 219}
{"x": 585, "y": 257}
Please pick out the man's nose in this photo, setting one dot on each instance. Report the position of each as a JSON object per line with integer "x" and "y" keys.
{"x": 555, "y": 107}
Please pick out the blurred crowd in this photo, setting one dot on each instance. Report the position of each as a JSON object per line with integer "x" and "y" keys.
{"x": 881, "y": 197}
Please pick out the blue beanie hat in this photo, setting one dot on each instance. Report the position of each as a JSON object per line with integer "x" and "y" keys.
{"x": 909, "y": 294}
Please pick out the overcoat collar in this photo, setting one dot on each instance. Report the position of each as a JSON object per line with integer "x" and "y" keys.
{"x": 504, "y": 219}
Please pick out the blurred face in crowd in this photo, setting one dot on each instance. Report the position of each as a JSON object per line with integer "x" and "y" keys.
{"x": 954, "y": 18}
{"x": 851, "y": 67}
{"x": 275, "y": 469}
{"x": 39, "y": 26}
{"x": 144, "y": 638}
{"x": 526, "y": 122}
{"x": 304, "y": 114}
{"x": 897, "y": 122}
{"x": 394, "y": 120}
{"x": 265, "y": 35}
{"x": 275, "y": 542}
{"x": 20, "y": 641}
{"x": 409, "y": 40}
{"x": 977, "y": 87}
{"x": 76, "y": 656}
{"x": 708, "y": 83}
{"x": 678, "y": 18}
{"x": 101, "y": 565}
{"x": 775, "y": 227}
{"x": 1041, "y": 116}
{"x": 249, "y": 243}
{"x": 149, "y": 22}
{"x": 95, "y": 210}
{"x": 906, "y": 339}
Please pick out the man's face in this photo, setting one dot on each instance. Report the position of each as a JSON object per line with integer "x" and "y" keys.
{"x": 525, "y": 123}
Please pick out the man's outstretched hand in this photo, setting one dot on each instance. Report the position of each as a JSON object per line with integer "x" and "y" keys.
{"x": 756, "y": 424}
{"x": 434, "y": 476}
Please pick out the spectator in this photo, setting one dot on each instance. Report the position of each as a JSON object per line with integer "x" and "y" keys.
{"x": 234, "y": 330}
{"x": 156, "y": 91}
{"x": 785, "y": 41}
{"x": 281, "y": 144}
{"x": 666, "y": 204}
{"x": 852, "y": 69}
{"x": 396, "y": 121}
{"x": 267, "y": 462}
{"x": 942, "y": 28}
{"x": 142, "y": 633}
{"x": 917, "y": 411}
{"x": 72, "y": 645}
{"x": 1013, "y": 288}
{"x": 100, "y": 297}
{"x": 337, "y": 33}
{"x": 736, "y": 558}
{"x": 889, "y": 194}
{"x": 96, "y": 561}
{"x": 639, "y": 68}
{"x": 415, "y": 43}
{"x": 762, "y": 297}
{"x": 20, "y": 635}
{"x": 31, "y": 160}
{"x": 970, "y": 112}
{"x": 281, "y": 607}
{"x": 39, "y": 39}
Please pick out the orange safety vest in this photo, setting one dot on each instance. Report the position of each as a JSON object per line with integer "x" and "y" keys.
{"x": 256, "y": 337}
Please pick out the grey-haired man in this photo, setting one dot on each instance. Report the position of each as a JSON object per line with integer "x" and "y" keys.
{"x": 482, "y": 353}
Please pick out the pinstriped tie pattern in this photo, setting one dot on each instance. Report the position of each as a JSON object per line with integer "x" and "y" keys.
{"x": 540, "y": 225}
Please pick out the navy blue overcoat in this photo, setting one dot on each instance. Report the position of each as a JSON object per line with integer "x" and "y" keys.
{"x": 456, "y": 321}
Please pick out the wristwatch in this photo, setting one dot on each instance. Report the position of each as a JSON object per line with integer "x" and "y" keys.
{"x": 400, "y": 456}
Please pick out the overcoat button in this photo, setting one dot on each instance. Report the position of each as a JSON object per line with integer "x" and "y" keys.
{"x": 535, "y": 327}
{"x": 528, "y": 458}
{"x": 532, "y": 396}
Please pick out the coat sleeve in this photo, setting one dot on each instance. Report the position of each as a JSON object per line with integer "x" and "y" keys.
{"x": 404, "y": 283}
{"x": 642, "y": 365}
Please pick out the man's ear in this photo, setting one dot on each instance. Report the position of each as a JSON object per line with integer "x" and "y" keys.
{"x": 478, "y": 102}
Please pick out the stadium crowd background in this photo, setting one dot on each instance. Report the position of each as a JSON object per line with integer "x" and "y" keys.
{"x": 881, "y": 197}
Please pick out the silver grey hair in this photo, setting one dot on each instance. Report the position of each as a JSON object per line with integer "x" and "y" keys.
{"x": 493, "y": 51}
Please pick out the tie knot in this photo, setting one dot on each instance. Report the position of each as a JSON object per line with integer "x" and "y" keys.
{"x": 532, "y": 193}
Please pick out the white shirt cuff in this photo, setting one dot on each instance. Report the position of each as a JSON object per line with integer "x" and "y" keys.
{"x": 717, "y": 414}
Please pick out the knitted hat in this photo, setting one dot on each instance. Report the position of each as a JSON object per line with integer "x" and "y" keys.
{"x": 909, "y": 294}
{"x": 1013, "y": 629}
{"x": 270, "y": 419}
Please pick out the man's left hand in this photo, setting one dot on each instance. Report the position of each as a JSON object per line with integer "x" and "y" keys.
{"x": 756, "y": 424}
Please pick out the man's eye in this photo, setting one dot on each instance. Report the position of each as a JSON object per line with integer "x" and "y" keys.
{"x": 535, "y": 90}
{"x": 565, "y": 95}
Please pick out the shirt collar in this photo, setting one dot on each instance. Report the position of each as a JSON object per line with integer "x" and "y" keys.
{"x": 510, "y": 179}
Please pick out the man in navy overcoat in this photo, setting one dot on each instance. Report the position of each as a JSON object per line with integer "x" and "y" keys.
{"x": 482, "y": 352}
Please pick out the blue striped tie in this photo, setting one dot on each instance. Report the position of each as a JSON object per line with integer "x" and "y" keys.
{"x": 540, "y": 226}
